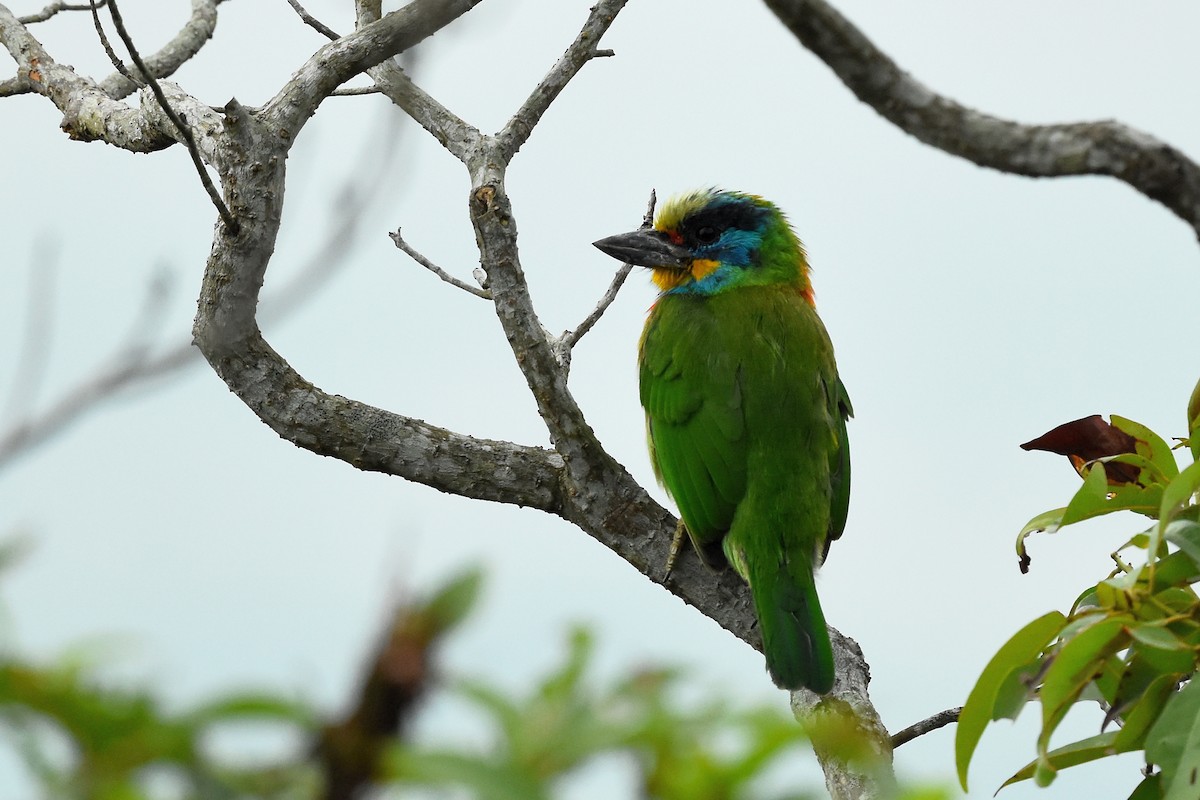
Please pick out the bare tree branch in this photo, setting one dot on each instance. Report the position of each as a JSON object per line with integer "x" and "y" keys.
{"x": 17, "y": 85}
{"x": 88, "y": 113}
{"x": 350, "y": 55}
{"x": 113, "y": 58}
{"x": 163, "y": 63}
{"x": 863, "y": 775}
{"x": 1151, "y": 166}
{"x": 564, "y": 344}
{"x": 195, "y": 33}
{"x": 54, "y": 8}
{"x": 354, "y": 91}
{"x": 454, "y": 133}
{"x": 312, "y": 21}
{"x": 231, "y": 224}
{"x": 516, "y": 132}
{"x": 938, "y": 720}
{"x": 416, "y": 256}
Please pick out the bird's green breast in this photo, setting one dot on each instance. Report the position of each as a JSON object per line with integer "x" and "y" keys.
{"x": 741, "y": 397}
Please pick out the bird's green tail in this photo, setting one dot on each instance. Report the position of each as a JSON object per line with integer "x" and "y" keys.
{"x": 795, "y": 639}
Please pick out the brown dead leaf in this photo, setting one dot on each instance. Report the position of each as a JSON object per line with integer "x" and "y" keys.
{"x": 1087, "y": 439}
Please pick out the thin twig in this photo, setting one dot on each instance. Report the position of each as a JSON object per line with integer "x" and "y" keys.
{"x": 453, "y": 132}
{"x": 313, "y": 22}
{"x": 398, "y": 240}
{"x": 117, "y": 63}
{"x": 581, "y": 51}
{"x": 176, "y": 52}
{"x": 337, "y": 62}
{"x": 350, "y": 91}
{"x": 939, "y": 720}
{"x": 648, "y": 217}
{"x": 53, "y": 8}
{"x": 231, "y": 224}
{"x": 569, "y": 339}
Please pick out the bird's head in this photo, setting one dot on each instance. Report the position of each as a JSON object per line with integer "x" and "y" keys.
{"x": 711, "y": 241}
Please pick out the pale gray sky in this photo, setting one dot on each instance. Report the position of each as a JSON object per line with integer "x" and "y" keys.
{"x": 970, "y": 311}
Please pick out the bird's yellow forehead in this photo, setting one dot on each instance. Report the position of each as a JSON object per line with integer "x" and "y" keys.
{"x": 673, "y": 212}
{"x": 676, "y": 209}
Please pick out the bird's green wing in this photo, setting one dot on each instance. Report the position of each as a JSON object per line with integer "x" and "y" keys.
{"x": 693, "y": 401}
{"x": 839, "y": 463}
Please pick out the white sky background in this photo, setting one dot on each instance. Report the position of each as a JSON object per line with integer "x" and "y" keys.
{"x": 970, "y": 310}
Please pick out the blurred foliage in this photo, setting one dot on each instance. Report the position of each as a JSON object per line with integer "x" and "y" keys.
{"x": 1130, "y": 642}
{"x": 80, "y": 738}
{"x": 710, "y": 752}
{"x": 118, "y": 743}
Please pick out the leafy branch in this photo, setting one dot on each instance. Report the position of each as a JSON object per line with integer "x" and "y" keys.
{"x": 1133, "y": 639}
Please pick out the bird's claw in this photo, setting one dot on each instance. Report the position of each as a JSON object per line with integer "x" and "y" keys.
{"x": 677, "y": 538}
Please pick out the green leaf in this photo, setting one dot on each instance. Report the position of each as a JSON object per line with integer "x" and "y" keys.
{"x": 1104, "y": 687}
{"x": 1049, "y": 521}
{"x": 1014, "y": 692}
{"x": 1081, "y": 622}
{"x": 505, "y": 713}
{"x": 1076, "y": 661}
{"x": 1185, "y": 534}
{"x": 1158, "y": 637}
{"x": 452, "y": 602}
{"x": 1144, "y": 713}
{"x": 1178, "y": 493}
{"x": 484, "y": 779}
{"x": 1149, "y": 444}
{"x": 1018, "y": 653}
{"x": 1144, "y": 665}
{"x": 1091, "y": 500}
{"x": 1070, "y": 755}
{"x": 1176, "y": 570}
{"x": 1075, "y": 664}
{"x": 1176, "y": 599}
{"x": 1149, "y": 789}
{"x": 1144, "y": 500}
{"x": 1193, "y": 415}
{"x": 1173, "y": 743}
{"x": 254, "y": 706}
{"x": 1165, "y": 662}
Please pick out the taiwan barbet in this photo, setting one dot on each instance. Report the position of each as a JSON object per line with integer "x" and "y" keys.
{"x": 745, "y": 412}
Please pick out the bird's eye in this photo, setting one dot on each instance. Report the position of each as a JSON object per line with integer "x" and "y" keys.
{"x": 706, "y": 234}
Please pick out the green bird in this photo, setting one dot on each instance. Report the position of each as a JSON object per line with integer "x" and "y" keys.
{"x": 745, "y": 412}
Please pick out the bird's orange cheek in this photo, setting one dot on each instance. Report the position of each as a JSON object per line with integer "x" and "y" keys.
{"x": 667, "y": 279}
{"x": 703, "y": 267}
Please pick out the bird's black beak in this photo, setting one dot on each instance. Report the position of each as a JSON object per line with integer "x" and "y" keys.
{"x": 646, "y": 247}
